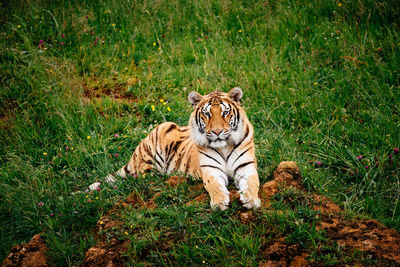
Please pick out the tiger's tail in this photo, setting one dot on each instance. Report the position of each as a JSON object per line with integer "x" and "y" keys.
{"x": 109, "y": 179}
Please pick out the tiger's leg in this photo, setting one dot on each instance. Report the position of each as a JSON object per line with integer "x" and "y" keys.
{"x": 215, "y": 183}
{"x": 246, "y": 180}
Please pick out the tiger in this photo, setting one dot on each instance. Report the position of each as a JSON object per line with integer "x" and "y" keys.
{"x": 216, "y": 146}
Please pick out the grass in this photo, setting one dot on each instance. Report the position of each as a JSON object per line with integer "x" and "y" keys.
{"x": 320, "y": 80}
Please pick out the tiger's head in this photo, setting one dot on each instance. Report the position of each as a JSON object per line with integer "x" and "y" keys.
{"x": 217, "y": 119}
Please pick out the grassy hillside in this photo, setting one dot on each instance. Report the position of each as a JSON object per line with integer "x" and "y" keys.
{"x": 82, "y": 82}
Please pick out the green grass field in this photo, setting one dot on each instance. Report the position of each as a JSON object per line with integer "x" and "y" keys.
{"x": 321, "y": 86}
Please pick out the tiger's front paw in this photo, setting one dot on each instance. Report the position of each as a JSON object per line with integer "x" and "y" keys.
{"x": 220, "y": 201}
{"x": 250, "y": 202}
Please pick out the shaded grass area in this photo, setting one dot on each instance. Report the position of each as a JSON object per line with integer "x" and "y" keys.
{"x": 321, "y": 83}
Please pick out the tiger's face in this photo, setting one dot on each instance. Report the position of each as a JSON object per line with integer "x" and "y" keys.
{"x": 216, "y": 120}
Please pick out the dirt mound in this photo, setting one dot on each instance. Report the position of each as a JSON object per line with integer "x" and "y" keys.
{"x": 110, "y": 250}
{"x": 95, "y": 88}
{"x": 32, "y": 254}
{"x": 107, "y": 254}
{"x": 368, "y": 236}
{"x": 287, "y": 174}
{"x": 175, "y": 180}
{"x": 282, "y": 254}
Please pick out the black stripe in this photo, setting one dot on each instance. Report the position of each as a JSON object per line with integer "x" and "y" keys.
{"x": 222, "y": 156}
{"x": 209, "y": 157}
{"x": 241, "y": 155}
{"x": 167, "y": 150}
{"x": 211, "y": 166}
{"x": 151, "y": 137}
{"x": 171, "y": 127}
{"x": 156, "y": 142}
{"x": 126, "y": 170}
{"x": 184, "y": 137}
{"x": 178, "y": 162}
{"x": 157, "y": 154}
{"x": 187, "y": 166}
{"x": 238, "y": 116}
{"x": 140, "y": 149}
{"x": 157, "y": 162}
{"x": 147, "y": 161}
{"x": 234, "y": 111}
{"x": 175, "y": 147}
{"x": 246, "y": 133}
{"x": 147, "y": 149}
{"x": 186, "y": 150}
{"x": 242, "y": 165}
{"x": 237, "y": 145}
{"x": 173, "y": 151}
{"x": 234, "y": 148}
{"x": 197, "y": 117}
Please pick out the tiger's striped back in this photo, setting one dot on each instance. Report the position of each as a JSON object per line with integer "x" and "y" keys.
{"x": 168, "y": 148}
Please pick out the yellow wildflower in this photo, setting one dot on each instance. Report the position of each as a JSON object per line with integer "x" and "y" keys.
{"x": 72, "y": 148}
{"x": 19, "y": 26}
{"x": 113, "y": 24}
{"x": 126, "y": 233}
{"x": 97, "y": 197}
{"x": 101, "y": 222}
{"x": 87, "y": 196}
{"x": 153, "y": 107}
{"x": 164, "y": 103}
{"x": 168, "y": 108}
{"x": 161, "y": 100}
{"x": 240, "y": 30}
{"x": 315, "y": 83}
{"x": 154, "y": 44}
{"x": 44, "y": 154}
{"x": 88, "y": 137}
{"x": 339, "y": 5}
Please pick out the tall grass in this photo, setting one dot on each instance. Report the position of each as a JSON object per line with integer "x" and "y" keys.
{"x": 321, "y": 83}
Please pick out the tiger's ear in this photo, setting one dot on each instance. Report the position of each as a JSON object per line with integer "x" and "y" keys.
{"x": 236, "y": 94}
{"x": 194, "y": 98}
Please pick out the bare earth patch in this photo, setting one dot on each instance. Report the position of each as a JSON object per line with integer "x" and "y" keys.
{"x": 109, "y": 249}
{"x": 175, "y": 180}
{"x": 368, "y": 236}
{"x": 32, "y": 254}
{"x": 95, "y": 88}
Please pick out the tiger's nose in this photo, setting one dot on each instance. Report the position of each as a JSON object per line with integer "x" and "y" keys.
{"x": 217, "y": 131}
